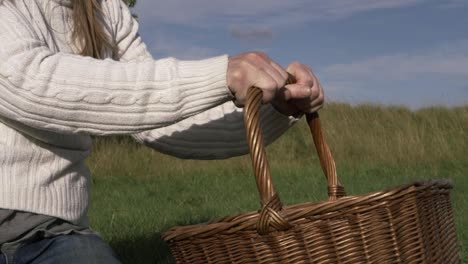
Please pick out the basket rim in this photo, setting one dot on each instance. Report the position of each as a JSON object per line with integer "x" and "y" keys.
{"x": 247, "y": 220}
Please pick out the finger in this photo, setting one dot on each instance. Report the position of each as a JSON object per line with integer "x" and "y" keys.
{"x": 240, "y": 98}
{"x": 270, "y": 82}
{"x": 308, "y": 106}
{"x": 316, "y": 108}
{"x": 284, "y": 74}
{"x": 305, "y": 107}
{"x": 318, "y": 95}
{"x": 274, "y": 64}
{"x": 317, "y": 103}
{"x": 268, "y": 86}
{"x": 273, "y": 69}
{"x": 275, "y": 75}
{"x": 296, "y": 91}
{"x": 302, "y": 73}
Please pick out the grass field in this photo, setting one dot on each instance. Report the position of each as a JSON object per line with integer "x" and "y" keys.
{"x": 138, "y": 193}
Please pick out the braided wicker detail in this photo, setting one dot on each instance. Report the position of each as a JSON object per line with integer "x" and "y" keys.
{"x": 336, "y": 191}
{"x": 270, "y": 216}
{"x": 271, "y": 204}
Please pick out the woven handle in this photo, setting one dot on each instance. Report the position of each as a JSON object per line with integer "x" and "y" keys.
{"x": 335, "y": 189}
{"x": 270, "y": 214}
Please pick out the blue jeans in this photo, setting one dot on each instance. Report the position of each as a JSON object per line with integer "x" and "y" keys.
{"x": 68, "y": 249}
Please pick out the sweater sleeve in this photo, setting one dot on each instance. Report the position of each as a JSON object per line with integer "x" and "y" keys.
{"x": 69, "y": 93}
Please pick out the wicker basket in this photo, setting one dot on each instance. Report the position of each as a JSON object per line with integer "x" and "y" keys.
{"x": 407, "y": 224}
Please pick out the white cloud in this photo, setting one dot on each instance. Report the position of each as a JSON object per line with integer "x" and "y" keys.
{"x": 262, "y": 12}
{"x": 450, "y": 59}
{"x": 251, "y": 33}
{"x": 166, "y": 44}
{"x": 433, "y": 76}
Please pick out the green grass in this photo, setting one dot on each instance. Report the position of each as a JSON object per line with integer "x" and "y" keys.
{"x": 138, "y": 193}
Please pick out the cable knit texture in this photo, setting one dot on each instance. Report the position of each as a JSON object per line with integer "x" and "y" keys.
{"x": 52, "y": 100}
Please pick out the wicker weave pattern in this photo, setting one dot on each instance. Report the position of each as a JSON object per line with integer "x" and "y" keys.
{"x": 270, "y": 216}
{"x": 407, "y": 224}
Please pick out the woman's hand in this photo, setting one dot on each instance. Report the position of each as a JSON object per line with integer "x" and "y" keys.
{"x": 305, "y": 95}
{"x": 257, "y": 69}
{"x": 254, "y": 69}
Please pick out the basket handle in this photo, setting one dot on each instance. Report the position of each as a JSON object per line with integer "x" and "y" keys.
{"x": 270, "y": 214}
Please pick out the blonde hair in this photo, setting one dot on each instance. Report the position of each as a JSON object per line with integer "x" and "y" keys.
{"x": 88, "y": 30}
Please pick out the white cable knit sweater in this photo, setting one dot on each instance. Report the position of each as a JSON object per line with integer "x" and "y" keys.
{"x": 52, "y": 100}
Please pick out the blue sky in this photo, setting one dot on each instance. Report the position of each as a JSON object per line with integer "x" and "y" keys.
{"x": 404, "y": 52}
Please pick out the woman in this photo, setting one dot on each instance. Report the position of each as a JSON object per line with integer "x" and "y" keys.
{"x": 74, "y": 68}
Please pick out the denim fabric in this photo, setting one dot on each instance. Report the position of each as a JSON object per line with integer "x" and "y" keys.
{"x": 68, "y": 249}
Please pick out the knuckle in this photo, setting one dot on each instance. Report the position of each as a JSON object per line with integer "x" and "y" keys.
{"x": 255, "y": 55}
{"x": 261, "y": 54}
{"x": 315, "y": 93}
{"x": 272, "y": 84}
{"x": 237, "y": 75}
{"x": 251, "y": 54}
{"x": 295, "y": 64}
{"x": 321, "y": 99}
{"x": 245, "y": 64}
